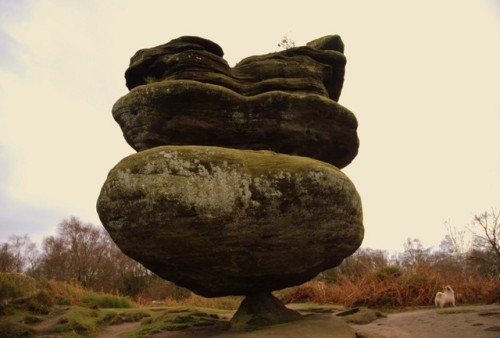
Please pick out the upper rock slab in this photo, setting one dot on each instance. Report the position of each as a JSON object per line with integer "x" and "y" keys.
{"x": 317, "y": 68}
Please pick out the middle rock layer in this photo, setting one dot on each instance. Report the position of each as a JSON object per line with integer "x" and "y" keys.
{"x": 186, "y": 112}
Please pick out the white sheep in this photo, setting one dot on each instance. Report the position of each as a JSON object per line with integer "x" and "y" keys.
{"x": 447, "y": 297}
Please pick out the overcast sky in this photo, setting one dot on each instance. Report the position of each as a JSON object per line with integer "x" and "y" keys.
{"x": 422, "y": 77}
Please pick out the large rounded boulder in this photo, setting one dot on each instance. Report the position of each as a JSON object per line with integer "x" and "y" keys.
{"x": 223, "y": 221}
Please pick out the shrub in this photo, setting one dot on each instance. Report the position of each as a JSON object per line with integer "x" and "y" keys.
{"x": 41, "y": 302}
{"x": 107, "y": 301}
{"x": 477, "y": 290}
{"x": 64, "y": 293}
{"x": 393, "y": 288}
{"x": 390, "y": 271}
{"x": 312, "y": 291}
{"x": 10, "y": 329}
{"x": 15, "y": 285}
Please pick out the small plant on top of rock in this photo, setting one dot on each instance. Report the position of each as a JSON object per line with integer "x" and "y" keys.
{"x": 286, "y": 43}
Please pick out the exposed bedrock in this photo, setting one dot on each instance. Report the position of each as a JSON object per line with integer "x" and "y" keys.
{"x": 223, "y": 221}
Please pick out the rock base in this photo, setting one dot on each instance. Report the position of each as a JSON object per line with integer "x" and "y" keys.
{"x": 262, "y": 310}
{"x": 316, "y": 325}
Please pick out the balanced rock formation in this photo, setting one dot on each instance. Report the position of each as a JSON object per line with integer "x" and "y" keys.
{"x": 236, "y": 188}
{"x": 184, "y": 92}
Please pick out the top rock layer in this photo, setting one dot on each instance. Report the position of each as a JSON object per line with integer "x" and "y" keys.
{"x": 184, "y": 93}
{"x": 317, "y": 68}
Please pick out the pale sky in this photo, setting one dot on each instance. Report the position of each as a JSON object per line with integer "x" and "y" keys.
{"x": 422, "y": 78}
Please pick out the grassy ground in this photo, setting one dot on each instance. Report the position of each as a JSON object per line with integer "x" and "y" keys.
{"x": 29, "y": 308}
{"x": 84, "y": 321}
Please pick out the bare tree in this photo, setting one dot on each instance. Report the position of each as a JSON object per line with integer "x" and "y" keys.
{"x": 7, "y": 259}
{"x": 88, "y": 247}
{"x": 25, "y": 253}
{"x": 84, "y": 247}
{"x": 450, "y": 259}
{"x": 456, "y": 240}
{"x": 16, "y": 246}
{"x": 486, "y": 229}
{"x": 83, "y": 253}
{"x": 363, "y": 261}
{"x": 484, "y": 256}
{"x": 54, "y": 263}
{"x": 86, "y": 253}
{"x": 414, "y": 255}
{"x": 78, "y": 253}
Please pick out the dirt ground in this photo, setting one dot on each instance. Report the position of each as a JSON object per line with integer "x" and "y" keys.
{"x": 460, "y": 322}
{"x": 114, "y": 331}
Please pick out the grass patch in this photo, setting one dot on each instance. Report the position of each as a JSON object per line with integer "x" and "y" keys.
{"x": 118, "y": 316}
{"x": 82, "y": 320}
{"x": 225, "y": 303}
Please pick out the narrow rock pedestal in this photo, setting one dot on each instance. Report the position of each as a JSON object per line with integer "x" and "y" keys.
{"x": 261, "y": 310}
